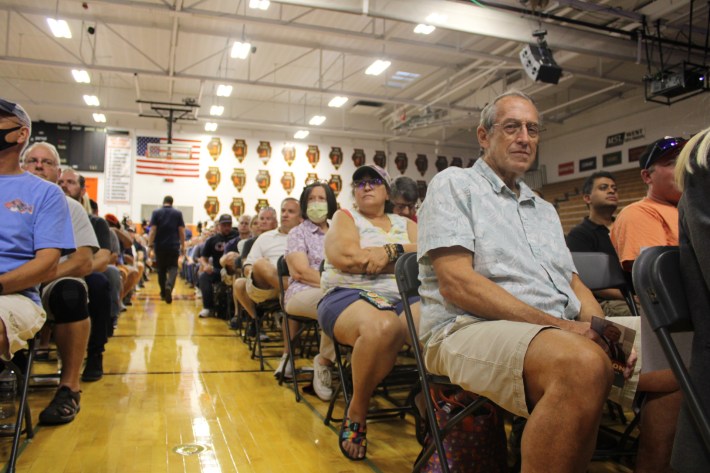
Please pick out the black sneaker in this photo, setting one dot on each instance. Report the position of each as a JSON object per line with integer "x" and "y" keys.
{"x": 94, "y": 369}
{"x": 168, "y": 294}
{"x": 63, "y": 408}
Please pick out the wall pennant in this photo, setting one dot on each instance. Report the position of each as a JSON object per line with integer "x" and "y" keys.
{"x": 421, "y": 187}
{"x": 441, "y": 163}
{"x": 313, "y": 155}
{"x": 458, "y": 162}
{"x": 311, "y": 178}
{"x": 263, "y": 179}
{"x": 264, "y": 152}
{"x": 237, "y": 207}
{"x": 358, "y": 157}
{"x": 288, "y": 181}
{"x": 261, "y": 204}
{"x": 239, "y": 148}
{"x": 422, "y": 164}
{"x": 212, "y": 207}
{"x": 380, "y": 159}
{"x": 289, "y": 154}
{"x": 336, "y": 183}
{"x": 239, "y": 179}
{"x": 213, "y": 177}
{"x": 214, "y": 148}
{"x": 401, "y": 161}
{"x": 336, "y": 156}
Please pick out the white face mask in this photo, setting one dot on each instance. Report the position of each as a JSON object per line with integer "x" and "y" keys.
{"x": 317, "y": 212}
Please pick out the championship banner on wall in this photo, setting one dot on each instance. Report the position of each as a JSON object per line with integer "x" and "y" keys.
{"x": 239, "y": 179}
{"x": 401, "y": 161}
{"x": 441, "y": 163}
{"x": 214, "y": 148}
{"x": 155, "y": 157}
{"x": 288, "y": 181}
{"x": 358, "y": 157}
{"x": 289, "y": 154}
{"x": 213, "y": 177}
{"x": 263, "y": 179}
{"x": 313, "y": 155}
{"x": 239, "y": 148}
{"x": 336, "y": 156}
{"x": 237, "y": 207}
{"x": 261, "y": 204}
{"x": 264, "y": 152}
{"x": 380, "y": 159}
{"x": 212, "y": 207}
{"x": 336, "y": 183}
{"x": 422, "y": 164}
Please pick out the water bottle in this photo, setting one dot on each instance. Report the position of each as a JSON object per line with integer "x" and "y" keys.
{"x": 8, "y": 391}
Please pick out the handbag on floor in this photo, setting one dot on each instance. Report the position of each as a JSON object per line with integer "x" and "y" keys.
{"x": 477, "y": 444}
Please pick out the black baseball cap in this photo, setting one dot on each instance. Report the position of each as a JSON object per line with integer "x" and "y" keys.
{"x": 659, "y": 149}
{"x": 225, "y": 218}
{"x": 17, "y": 111}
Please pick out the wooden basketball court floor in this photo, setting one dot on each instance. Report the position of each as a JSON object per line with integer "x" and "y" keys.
{"x": 181, "y": 394}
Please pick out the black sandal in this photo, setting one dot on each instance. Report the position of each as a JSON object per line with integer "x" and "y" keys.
{"x": 63, "y": 408}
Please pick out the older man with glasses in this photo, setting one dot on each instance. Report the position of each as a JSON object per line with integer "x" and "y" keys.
{"x": 36, "y": 231}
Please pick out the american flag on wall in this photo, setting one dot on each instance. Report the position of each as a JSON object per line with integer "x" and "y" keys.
{"x": 184, "y": 160}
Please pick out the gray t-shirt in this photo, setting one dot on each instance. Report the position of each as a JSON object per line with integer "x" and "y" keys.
{"x": 83, "y": 231}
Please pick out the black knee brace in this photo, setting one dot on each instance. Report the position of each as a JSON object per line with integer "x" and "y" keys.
{"x": 68, "y": 301}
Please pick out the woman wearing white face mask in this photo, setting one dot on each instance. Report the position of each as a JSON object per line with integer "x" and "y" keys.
{"x": 304, "y": 253}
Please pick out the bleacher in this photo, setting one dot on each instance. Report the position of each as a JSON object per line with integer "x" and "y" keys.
{"x": 567, "y": 195}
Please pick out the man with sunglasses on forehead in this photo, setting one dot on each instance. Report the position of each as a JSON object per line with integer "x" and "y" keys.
{"x": 36, "y": 230}
{"x": 504, "y": 313}
{"x": 653, "y": 221}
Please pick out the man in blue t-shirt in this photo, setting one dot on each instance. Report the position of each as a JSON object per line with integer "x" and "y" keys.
{"x": 36, "y": 231}
{"x": 167, "y": 238}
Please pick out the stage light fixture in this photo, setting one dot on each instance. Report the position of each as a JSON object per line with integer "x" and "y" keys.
{"x": 538, "y": 62}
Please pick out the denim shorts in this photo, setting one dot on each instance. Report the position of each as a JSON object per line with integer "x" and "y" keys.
{"x": 336, "y": 301}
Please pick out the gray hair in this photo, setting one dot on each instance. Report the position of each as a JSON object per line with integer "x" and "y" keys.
{"x": 52, "y": 149}
{"x": 269, "y": 209}
{"x": 406, "y": 188}
{"x": 490, "y": 111}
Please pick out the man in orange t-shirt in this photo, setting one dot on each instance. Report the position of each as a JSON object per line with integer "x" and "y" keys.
{"x": 653, "y": 221}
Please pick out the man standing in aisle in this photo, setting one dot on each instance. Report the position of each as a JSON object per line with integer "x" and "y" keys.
{"x": 36, "y": 230}
{"x": 167, "y": 237}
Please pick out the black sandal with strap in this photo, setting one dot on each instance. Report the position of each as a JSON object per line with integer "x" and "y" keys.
{"x": 63, "y": 408}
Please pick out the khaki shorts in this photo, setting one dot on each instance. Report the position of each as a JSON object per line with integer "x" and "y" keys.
{"x": 22, "y": 318}
{"x": 485, "y": 357}
{"x": 259, "y": 295}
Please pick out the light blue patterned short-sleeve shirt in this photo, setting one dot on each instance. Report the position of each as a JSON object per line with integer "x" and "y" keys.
{"x": 517, "y": 242}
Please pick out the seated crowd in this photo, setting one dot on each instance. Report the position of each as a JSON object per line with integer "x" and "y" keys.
{"x": 503, "y": 312}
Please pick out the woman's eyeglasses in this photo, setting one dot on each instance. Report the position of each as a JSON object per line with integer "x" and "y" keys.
{"x": 361, "y": 183}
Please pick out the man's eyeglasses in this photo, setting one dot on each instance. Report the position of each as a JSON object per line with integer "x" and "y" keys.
{"x": 361, "y": 183}
{"x": 512, "y": 128}
{"x": 662, "y": 147}
{"x": 46, "y": 162}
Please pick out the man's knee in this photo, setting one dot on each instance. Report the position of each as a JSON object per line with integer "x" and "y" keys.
{"x": 262, "y": 271}
{"x": 68, "y": 301}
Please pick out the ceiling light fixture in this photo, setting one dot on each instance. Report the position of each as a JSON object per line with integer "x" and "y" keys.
{"x": 259, "y": 4}
{"x": 241, "y": 50}
{"x": 216, "y": 110}
{"x": 421, "y": 28}
{"x": 337, "y": 102}
{"x": 99, "y": 118}
{"x": 210, "y": 126}
{"x": 91, "y": 100}
{"x": 60, "y": 28}
{"x": 436, "y": 18}
{"x": 317, "y": 120}
{"x": 378, "y": 67}
{"x": 81, "y": 76}
{"x": 224, "y": 90}
{"x": 301, "y": 134}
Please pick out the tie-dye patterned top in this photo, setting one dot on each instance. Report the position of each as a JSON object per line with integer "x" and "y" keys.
{"x": 517, "y": 242}
{"x": 370, "y": 235}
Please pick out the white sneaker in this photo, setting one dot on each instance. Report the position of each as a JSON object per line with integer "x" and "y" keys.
{"x": 322, "y": 380}
{"x": 283, "y": 365}
{"x": 204, "y": 313}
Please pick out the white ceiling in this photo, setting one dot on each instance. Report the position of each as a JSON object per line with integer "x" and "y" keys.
{"x": 308, "y": 51}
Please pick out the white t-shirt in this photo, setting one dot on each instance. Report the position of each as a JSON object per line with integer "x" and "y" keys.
{"x": 270, "y": 245}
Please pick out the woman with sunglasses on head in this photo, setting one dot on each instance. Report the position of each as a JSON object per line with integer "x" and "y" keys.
{"x": 361, "y": 307}
{"x": 692, "y": 175}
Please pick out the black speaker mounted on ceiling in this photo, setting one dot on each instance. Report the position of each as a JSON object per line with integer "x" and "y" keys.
{"x": 538, "y": 62}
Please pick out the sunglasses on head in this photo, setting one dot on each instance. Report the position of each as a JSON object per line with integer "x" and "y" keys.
{"x": 374, "y": 182}
{"x": 662, "y": 147}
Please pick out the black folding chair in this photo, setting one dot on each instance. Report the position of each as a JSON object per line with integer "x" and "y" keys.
{"x": 306, "y": 326}
{"x": 657, "y": 278}
{"x": 407, "y": 273}
{"x": 23, "y": 412}
{"x": 600, "y": 271}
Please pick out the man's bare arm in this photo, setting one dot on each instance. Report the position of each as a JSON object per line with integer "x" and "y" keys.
{"x": 43, "y": 267}
{"x": 77, "y": 265}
